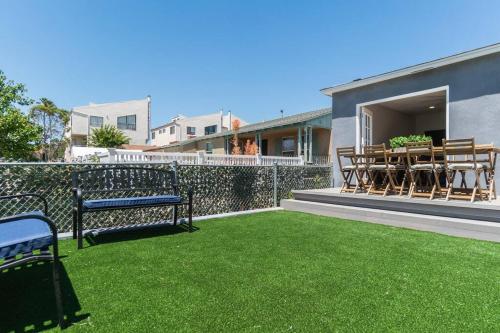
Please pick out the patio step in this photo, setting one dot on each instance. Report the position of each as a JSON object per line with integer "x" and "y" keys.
{"x": 466, "y": 228}
{"x": 481, "y": 211}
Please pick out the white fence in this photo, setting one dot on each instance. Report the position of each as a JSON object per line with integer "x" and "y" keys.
{"x": 202, "y": 158}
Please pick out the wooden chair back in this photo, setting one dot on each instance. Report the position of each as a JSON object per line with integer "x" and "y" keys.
{"x": 454, "y": 148}
{"x": 375, "y": 155}
{"x": 420, "y": 153}
{"x": 346, "y": 153}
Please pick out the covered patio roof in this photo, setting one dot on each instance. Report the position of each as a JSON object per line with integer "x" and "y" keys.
{"x": 317, "y": 118}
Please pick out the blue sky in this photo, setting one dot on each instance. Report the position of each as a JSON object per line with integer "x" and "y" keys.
{"x": 251, "y": 57}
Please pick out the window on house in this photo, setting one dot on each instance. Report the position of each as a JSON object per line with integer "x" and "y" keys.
{"x": 288, "y": 146}
{"x": 172, "y": 129}
{"x": 210, "y": 129}
{"x": 367, "y": 129}
{"x": 209, "y": 147}
{"x": 127, "y": 122}
{"x": 96, "y": 121}
{"x": 191, "y": 130}
{"x": 153, "y": 135}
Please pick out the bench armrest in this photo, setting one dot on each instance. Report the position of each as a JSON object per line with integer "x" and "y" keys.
{"x": 45, "y": 219}
{"x": 35, "y": 195}
{"x": 77, "y": 196}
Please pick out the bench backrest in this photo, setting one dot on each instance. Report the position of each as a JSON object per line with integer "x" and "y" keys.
{"x": 125, "y": 179}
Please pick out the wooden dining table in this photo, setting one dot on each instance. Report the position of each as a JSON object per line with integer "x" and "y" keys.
{"x": 481, "y": 149}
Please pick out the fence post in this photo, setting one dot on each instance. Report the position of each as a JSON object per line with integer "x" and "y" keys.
{"x": 275, "y": 184}
{"x": 112, "y": 155}
{"x": 201, "y": 157}
{"x": 174, "y": 166}
{"x": 301, "y": 162}
{"x": 332, "y": 181}
{"x": 258, "y": 159}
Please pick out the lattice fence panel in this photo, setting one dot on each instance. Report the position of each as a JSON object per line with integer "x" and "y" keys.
{"x": 302, "y": 178}
{"x": 218, "y": 189}
{"x": 222, "y": 189}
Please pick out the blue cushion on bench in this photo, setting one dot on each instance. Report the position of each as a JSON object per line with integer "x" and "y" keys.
{"x": 24, "y": 236}
{"x": 137, "y": 201}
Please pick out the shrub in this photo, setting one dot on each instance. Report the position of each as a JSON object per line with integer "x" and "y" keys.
{"x": 108, "y": 136}
{"x": 400, "y": 141}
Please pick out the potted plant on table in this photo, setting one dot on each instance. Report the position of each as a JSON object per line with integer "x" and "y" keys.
{"x": 398, "y": 143}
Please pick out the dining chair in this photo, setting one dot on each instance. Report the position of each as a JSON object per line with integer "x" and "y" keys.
{"x": 350, "y": 169}
{"x": 489, "y": 174}
{"x": 421, "y": 161}
{"x": 460, "y": 157}
{"x": 380, "y": 165}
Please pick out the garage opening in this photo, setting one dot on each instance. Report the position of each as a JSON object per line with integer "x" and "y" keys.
{"x": 417, "y": 113}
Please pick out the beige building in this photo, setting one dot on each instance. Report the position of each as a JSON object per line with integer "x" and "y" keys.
{"x": 306, "y": 134}
{"x": 182, "y": 128}
{"x": 131, "y": 117}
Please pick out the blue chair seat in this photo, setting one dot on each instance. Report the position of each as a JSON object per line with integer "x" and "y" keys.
{"x": 126, "y": 202}
{"x": 24, "y": 236}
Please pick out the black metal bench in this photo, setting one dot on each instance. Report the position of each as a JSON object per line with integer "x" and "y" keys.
{"x": 26, "y": 238}
{"x": 116, "y": 184}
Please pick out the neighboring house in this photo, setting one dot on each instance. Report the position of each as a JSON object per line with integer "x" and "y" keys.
{"x": 453, "y": 97}
{"x": 131, "y": 117}
{"x": 182, "y": 128}
{"x": 305, "y": 134}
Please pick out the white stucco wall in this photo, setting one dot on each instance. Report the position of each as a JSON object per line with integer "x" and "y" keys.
{"x": 199, "y": 122}
{"x": 110, "y": 112}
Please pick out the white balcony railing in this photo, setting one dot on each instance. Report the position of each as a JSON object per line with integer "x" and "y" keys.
{"x": 127, "y": 156}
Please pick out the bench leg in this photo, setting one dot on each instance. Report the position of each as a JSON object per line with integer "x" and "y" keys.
{"x": 175, "y": 214}
{"x": 56, "y": 265}
{"x": 74, "y": 222}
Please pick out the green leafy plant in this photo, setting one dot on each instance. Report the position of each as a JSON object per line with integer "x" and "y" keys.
{"x": 400, "y": 141}
{"x": 19, "y": 137}
{"x": 108, "y": 136}
{"x": 53, "y": 121}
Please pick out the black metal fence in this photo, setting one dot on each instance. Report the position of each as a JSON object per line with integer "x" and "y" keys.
{"x": 217, "y": 189}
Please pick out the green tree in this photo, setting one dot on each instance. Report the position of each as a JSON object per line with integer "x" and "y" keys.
{"x": 107, "y": 136}
{"x": 19, "y": 137}
{"x": 53, "y": 122}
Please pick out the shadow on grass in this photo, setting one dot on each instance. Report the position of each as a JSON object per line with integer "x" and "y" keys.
{"x": 122, "y": 234}
{"x": 28, "y": 302}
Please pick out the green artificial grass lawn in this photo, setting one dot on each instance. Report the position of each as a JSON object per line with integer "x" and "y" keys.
{"x": 267, "y": 272}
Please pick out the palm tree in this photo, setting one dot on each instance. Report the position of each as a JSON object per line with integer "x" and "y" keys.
{"x": 108, "y": 136}
{"x": 53, "y": 122}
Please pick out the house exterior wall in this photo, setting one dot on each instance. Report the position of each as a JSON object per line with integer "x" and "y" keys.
{"x": 321, "y": 142}
{"x": 223, "y": 123}
{"x": 474, "y": 101}
{"x": 80, "y": 115}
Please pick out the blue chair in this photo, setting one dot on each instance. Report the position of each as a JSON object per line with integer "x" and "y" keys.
{"x": 26, "y": 238}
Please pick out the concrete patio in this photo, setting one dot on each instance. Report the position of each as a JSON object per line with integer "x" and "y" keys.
{"x": 478, "y": 220}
